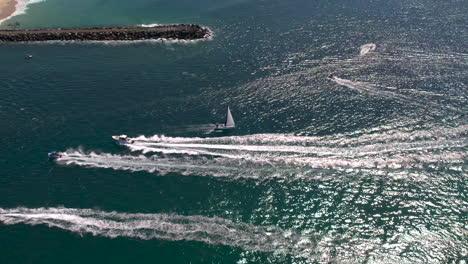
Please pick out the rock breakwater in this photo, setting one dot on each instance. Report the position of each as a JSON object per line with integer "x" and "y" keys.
{"x": 174, "y": 32}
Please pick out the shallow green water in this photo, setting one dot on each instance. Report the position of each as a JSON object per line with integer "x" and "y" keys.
{"x": 367, "y": 167}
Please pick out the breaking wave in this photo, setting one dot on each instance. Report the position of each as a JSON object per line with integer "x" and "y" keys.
{"x": 20, "y": 8}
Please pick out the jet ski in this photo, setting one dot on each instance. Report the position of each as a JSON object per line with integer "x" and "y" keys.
{"x": 54, "y": 155}
{"x": 331, "y": 76}
{"x": 123, "y": 139}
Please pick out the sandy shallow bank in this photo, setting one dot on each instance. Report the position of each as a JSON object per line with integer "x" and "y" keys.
{"x": 7, "y": 8}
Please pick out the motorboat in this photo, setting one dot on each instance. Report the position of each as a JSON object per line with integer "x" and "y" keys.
{"x": 54, "y": 155}
{"x": 228, "y": 124}
{"x": 123, "y": 140}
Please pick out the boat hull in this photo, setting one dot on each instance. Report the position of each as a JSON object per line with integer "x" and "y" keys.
{"x": 224, "y": 128}
{"x": 120, "y": 141}
{"x": 54, "y": 155}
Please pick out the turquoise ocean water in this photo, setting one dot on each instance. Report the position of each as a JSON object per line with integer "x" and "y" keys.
{"x": 367, "y": 167}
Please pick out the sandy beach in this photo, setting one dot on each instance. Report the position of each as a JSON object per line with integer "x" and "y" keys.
{"x": 7, "y": 7}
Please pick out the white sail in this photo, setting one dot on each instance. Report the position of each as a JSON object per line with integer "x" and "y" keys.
{"x": 229, "y": 119}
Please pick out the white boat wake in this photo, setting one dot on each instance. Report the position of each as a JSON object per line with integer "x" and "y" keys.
{"x": 284, "y": 156}
{"x": 276, "y": 150}
{"x": 367, "y": 48}
{"x": 372, "y": 89}
{"x": 223, "y": 232}
{"x": 386, "y": 93}
{"x": 258, "y": 167}
{"x": 170, "y": 227}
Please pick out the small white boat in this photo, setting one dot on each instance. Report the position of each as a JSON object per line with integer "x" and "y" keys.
{"x": 228, "y": 124}
{"x": 28, "y": 56}
{"x": 123, "y": 139}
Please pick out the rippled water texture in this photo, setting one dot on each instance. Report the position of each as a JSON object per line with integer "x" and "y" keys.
{"x": 350, "y": 147}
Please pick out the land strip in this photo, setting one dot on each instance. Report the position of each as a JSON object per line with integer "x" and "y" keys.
{"x": 175, "y": 32}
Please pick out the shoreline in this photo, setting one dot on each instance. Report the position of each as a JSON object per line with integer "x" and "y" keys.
{"x": 7, "y": 9}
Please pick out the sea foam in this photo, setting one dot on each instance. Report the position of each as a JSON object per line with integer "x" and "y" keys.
{"x": 169, "y": 227}
{"x": 367, "y": 48}
{"x": 267, "y": 156}
{"x": 20, "y": 8}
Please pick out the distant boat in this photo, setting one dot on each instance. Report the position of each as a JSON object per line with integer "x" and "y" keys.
{"x": 123, "y": 139}
{"x": 228, "y": 124}
{"x": 28, "y": 56}
{"x": 54, "y": 155}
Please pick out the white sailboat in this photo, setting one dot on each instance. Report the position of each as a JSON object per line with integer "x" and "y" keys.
{"x": 228, "y": 124}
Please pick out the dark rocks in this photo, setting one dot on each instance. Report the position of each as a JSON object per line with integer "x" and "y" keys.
{"x": 175, "y": 32}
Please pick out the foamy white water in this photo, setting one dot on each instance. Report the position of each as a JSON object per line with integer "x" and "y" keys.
{"x": 219, "y": 231}
{"x": 170, "y": 227}
{"x": 259, "y": 167}
{"x": 384, "y": 134}
{"x": 266, "y": 156}
{"x": 367, "y": 48}
{"x": 249, "y": 157}
{"x": 386, "y": 93}
{"x": 289, "y": 148}
{"x": 21, "y": 8}
{"x": 152, "y": 164}
{"x": 372, "y": 89}
{"x": 221, "y": 149}
{"x": 153, "y": 25}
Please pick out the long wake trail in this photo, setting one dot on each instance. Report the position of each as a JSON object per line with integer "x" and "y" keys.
{"x": 169, "y": 227}
{"x": 280, "y": 155}
{"x": 367, "y": 136}
{"x": 385, "y": 93}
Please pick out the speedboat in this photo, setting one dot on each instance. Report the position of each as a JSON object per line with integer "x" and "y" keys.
{"x": 331, "y": 76}
{"x": 54, "y": 155}
{"x": 228, "y": 124}
{"x": 28, "y": 56}
{"x": 123, "y": 139}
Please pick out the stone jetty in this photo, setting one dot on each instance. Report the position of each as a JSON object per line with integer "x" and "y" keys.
{"x": 173, "y": 32}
